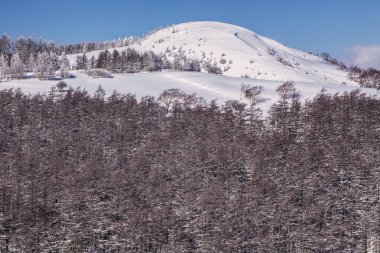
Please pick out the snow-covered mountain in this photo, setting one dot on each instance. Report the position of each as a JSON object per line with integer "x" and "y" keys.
{"x": 238, "y": 52}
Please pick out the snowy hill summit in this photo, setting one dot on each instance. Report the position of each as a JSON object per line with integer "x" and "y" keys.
{"x": 237, "y": 52}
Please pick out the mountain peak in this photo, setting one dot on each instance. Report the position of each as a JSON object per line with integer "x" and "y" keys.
{"x": 210, "y": 25}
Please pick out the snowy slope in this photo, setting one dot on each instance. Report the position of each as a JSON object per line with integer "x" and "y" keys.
{"x": 245, "y": 53}
{"x": 208, "y": 86}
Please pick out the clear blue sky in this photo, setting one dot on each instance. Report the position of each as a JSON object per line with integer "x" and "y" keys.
{"x": 317, "y": 26}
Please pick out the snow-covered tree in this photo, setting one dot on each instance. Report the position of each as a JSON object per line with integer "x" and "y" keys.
{"x": 192, "y": 65}
{"x": 64, "y": 66}
{"x": 82, "y": 61}
{"x": 21, "y": 48}
{"x": 171, "y": 97}
{"x": 17, "y": 67}
{"x": 134, "y": 64}
{"x": 92, "y": 62}
{"x": 116, "y": 61}
{"x": 214, "y": 69}
{"x": 178, "y": 63}
{"x": 54, "y": 61}
{"x": 147, "y": 61}
{"x": 166, "y": 63}
{"x": 44, "y": 66}
{"x": 39, "y": 67}
{"x": 5, "y": 47}
{"x": 253, "y": 95}
{"x": 3, "y": 68}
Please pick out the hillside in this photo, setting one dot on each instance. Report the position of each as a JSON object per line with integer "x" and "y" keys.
{"x": 238, "y": 52}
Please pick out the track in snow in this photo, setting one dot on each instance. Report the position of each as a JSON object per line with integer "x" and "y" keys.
{"x": 196, "y": 84}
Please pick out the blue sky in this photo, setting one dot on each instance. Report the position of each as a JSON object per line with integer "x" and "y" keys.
{"x": 344, "y": 28}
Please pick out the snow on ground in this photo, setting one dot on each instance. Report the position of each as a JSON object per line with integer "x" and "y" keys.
{"x": 245, "y": 53}
{"x": 208, "y": 86}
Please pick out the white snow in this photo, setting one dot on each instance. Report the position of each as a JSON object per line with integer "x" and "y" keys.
{"x": 246, "y": 50}
{"x": 208, "y": 86}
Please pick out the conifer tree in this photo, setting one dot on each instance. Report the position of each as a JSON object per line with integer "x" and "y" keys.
{"x": 21, "y": 48}
{"x": 82, "y": 61}
{"x": 116, "y": 61}
{"x": 5, "y": 48}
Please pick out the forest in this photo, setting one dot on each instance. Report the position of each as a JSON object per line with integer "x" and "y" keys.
{"x": 103, "y": 172}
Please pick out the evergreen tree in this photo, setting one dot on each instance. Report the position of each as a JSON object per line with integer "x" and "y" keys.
{"x": 92, "y": 62}
{"x": 116, "y": 61}
{"x": 101, "y": 62}
{"x": 82, "y": 62}
{"x": 5, "y": 48}
{"x": 123, "y": 61}
{"x": 134, "y": 61}
{"x": 21, "y": 48}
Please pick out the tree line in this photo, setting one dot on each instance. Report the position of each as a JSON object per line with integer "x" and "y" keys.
{"x": 131, "y": 61}
{"x": 89, "y": 173}
{"x": 31, "y": 46}
{"x": 85, "y": 47}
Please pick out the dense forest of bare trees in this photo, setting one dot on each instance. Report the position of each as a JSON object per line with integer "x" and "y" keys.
{"x": 91, "y": 173}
